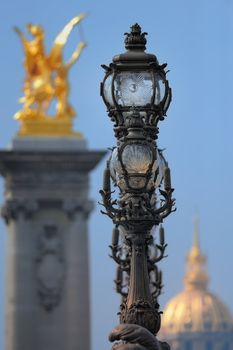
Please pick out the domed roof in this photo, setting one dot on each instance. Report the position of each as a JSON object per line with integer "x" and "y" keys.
{"x": 196, "y": 310}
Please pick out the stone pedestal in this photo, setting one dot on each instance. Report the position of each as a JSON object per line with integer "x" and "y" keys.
{"x": 46, "y": 210}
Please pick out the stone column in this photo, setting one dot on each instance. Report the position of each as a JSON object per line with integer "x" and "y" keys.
{"x": 46, "y": 210}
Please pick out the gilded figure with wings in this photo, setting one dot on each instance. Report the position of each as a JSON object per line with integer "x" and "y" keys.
{"x": 46, "y": 79}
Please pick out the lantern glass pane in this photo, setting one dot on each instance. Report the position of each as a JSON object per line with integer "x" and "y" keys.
{"x": 157, "y": 171}
{"x": 108, "y": 90}
{"x": 160, "y": 165}
{"x": 159, "y": 89}
{"x": 116, "y": 170}
{"x": 137, "y": 158}
{"x": 137, "y": 182}
{"x": 133, "y": 89}
{"x": 115, "y": 165}
{"x": 167, "y": 102}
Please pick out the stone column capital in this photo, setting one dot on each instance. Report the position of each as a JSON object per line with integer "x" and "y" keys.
{"x": 73, "y": 206}
{"x": 12, "y": 208}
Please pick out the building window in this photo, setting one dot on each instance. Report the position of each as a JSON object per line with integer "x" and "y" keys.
{"x": 188, "y": 345}
{"x": 226, "y": 346}
{"x": 208, "y": 345}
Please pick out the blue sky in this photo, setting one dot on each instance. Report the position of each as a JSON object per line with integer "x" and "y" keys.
{"x": 195, "y": 39}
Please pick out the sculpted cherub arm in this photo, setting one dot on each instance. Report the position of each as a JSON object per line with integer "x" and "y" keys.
{"x": 135, "y": 337}
{"x": 134, "y": 334}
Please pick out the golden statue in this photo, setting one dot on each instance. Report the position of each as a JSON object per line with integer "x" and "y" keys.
{"x": 47, "y": 79}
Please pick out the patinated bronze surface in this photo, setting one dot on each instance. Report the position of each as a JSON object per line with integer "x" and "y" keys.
{"x": 137, "y": 95}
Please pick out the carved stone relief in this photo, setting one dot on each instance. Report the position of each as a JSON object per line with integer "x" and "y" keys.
{"x": 13, "y": 207}
{"x": 73, "y": 206}
{"x": 50, "y": 267}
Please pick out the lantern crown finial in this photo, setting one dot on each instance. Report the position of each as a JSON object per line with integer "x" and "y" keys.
{"x": 135, "y": 40}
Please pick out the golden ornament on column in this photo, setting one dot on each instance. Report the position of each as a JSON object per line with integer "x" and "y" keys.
{"x": 46, "y": 80}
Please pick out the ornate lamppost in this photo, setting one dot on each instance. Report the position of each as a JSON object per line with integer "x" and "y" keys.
{"x": 137, "y": 95}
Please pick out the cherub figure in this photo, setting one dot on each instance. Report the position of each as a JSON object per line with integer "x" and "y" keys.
{"x": 38, "y": 88}
{"x": 47, "y": 74}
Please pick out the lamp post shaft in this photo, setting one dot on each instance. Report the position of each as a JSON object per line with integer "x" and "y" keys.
{"x": 140, "y": 308}
{"x": 137, "y": 95}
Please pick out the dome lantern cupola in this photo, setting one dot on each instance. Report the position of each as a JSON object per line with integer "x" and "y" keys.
{"x": 196, "y": 274}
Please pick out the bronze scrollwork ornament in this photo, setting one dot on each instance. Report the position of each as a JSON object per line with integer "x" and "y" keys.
{"x": 137, "y": 95}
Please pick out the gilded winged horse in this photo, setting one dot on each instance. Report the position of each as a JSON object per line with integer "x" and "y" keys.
{"x": 47, "y": 75}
